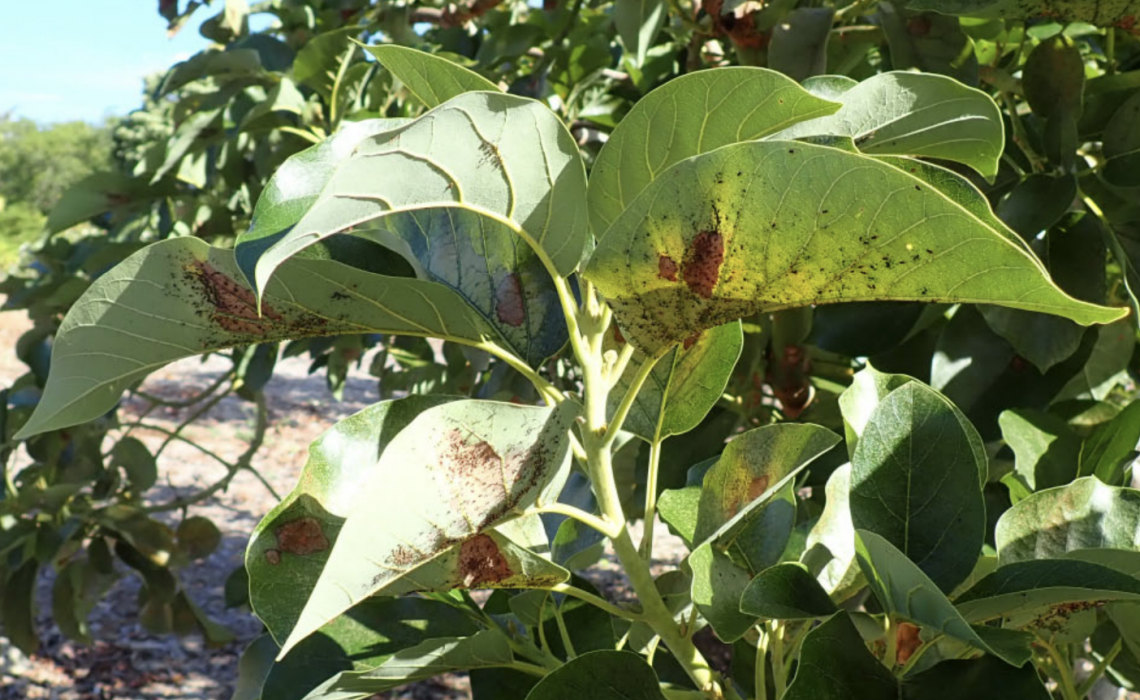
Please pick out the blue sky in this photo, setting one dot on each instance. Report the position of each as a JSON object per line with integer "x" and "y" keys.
{"x": 85, "y": 59}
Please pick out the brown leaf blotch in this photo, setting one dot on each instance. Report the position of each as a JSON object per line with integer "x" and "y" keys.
{"x": 908, "y": 641}
{"x": 666, "y": 268}
{"x": 703, "y": 260}
{"x": 302, "y": 536}
{"x": 273, "y": 556}
{"x": 509, "y": 301}
{"x": 692, "y": 340}
{"x": 757, "y": 487}
{"x": 481, "y": 562}
{"x": 234, "y": 304}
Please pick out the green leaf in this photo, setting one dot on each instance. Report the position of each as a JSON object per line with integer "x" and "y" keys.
{"x": 497, "y": 273}
{"x": 485, "y": 649}
{"x": 181, "y": 298}
{"x": 798, "y": 48}
{"x": 363, "y": 639}
{"x": 431, "y": 80}
{"x": 684, "y": 385}
{"x": 1103, "y": 370}
{"x": 502, "y": 156}
{"x": 1122, "y": 145}
{"x": 18, "y": 606}
{"x": 1046, "y": 450}
{"x": 690, "y": 115}
{"x": 1099, "y": 12}
{"x": 99, "y": 193}
{"x": 638, "y": 22}
{"x": 298, "y": 183}
{"x": 916, "y": 114}
{"x": 198, "y": 536}
{"x": 782, "y": 225}
{"x": 1024, "y": 594}
{"x": 222, "y": 65}
{"x": 906, "y": 592}
{"x": 309, "y": 518}
{"x": 253, "y": 668}
{"x": 77, "y": 588}
{"x": 1054, "y": 77}
{"x": 1107, "y": 451}
{"x": 463, "y": 467}
{"x": 786, "y": 592}
{"x": 137, "y": 463}
{"x": 986, "y": 678}
{"x": 1085, "y": 514}
{"x": 754, "y": 467}
{"x": 600, "y": 675}
{"x": 860, "y": 400}
{"x": 835, "y": 533}
{"x": 929, "y": 43}
{"x": 718, "y": 584}
{"x": 836, "y": 665}
{"x": 915, "y": 482}
{"x": 324, "y": 58}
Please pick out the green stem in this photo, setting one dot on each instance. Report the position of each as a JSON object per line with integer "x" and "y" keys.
{"x": 891, "y": 657}
{"x": 611, "y": 431}
{"x": 779, "y": 670}
{"x": 607, "y": 529}
{"x": 563, "y": 632}
{"x": 762, "y": 665}
{"x": 1098, "y": 670}
{"x": 594, "y": 600}
{"x": 545, "y": 389}
{"x": 1110, "y": 51}
{"x": 1064, "y": 678}
{"x": 650, "y": 501}
{"x": 532, "y": 669}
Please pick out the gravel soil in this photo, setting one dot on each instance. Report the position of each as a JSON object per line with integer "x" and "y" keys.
{"x": 126, "y": 662}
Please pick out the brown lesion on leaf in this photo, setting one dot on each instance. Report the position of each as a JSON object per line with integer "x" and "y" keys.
{"x": 273, "y": 556}
{"x": 703, "y": 261}
{"x": 693, "y": 339}
{"x": 482, "y": 563}
{"x": 666, "y": 268}
{"x": 509, "y": 307}
{"x": 232, "y": 305}
{"x": 302, "y": 537}
{"x": 909, "y": 639}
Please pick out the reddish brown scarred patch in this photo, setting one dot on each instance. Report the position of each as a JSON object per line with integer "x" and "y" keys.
{"x": 234, "y": 306}
{"x": 509, "y": 301}
{"x": 481, "y": 562}
{"x": 301, "y": 536}
{"x": 273, "y": 556}
{"x": 692, "y": 340}
{"x": 702, "y": 263}
{"x": 618, "y": 337}
{"x": 403, "y": 556}
{"x": 908, "y": 642}
{"x": 666, "y": 268}
{"x": 757, "y": 487}
{"x": 468, "y": 459}
{"x": 1128, "y": 24}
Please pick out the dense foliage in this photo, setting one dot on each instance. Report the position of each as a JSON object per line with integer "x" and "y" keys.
{"x": 37, "y": 165}
{"x": 857, "y": 333}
